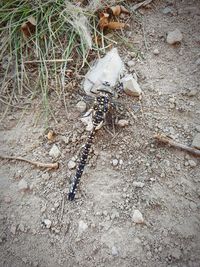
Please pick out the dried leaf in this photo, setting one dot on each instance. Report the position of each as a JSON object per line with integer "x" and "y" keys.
{"x": 28, "y": 27}
{"x": 124, "y": 10}
{"x": 116, "y": 10}
{"x": 114, "y": 25}
{"x": 103, "y": 21}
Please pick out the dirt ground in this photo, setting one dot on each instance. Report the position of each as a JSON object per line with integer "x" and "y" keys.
{"x": 98, "y": 229}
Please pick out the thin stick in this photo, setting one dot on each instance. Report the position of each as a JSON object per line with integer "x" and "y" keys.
{"x": 36, "y": 163}
{"x": 166, "y": 140}
{"x": 144, "y": 3}
{"x": 48, "y": 61}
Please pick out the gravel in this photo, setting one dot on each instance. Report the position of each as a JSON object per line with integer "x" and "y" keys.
{"x": 71, "y": 164}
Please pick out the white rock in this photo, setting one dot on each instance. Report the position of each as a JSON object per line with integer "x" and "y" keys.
{"x": 54, "y": 152}
{"x": 174, "y": 36}
{"x": 131, "y": 63}
{"x": 13, "y": 229}
{"x": 47, "y": 223}
{"x": 115, "y": 162}
{"x": 81, "y": 106}
{"x": 23, "y": 185}
{"x": 131, "y": 87}
{"x": 196, "y": 141}
{"x": 156, "y": 52}
{"x": 137, "y": 217}
{"x": 138, "y": 184}
{"x": 71, "y": 164}
{"x": 114, "y": 251}
{"x": 167, "y": 11}
{"x": 82, "y": 227}
{"x": 122, "y": 123}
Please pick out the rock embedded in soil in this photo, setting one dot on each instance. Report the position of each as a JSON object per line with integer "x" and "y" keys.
{"x": 114, "y": 251}
{"x": 137, "y": 217}
{"x": 192, "y": 163}
{"x": 156, "y": 52}
{"x": 196, "y": 141}
{"x": 174, "y": 37}
{"x": 71, "y": 164}
{"x": 131, "y": 63}
{"x": 131, "y": 86}
{"x": 23, "y": 185}
{"x": 138, "y": 184}
{"x": 54, "y": 152}
{"x": 82, "y": 227}
{"x": 122, "y": 123}
{"x": 47, "y": 223}
{"x": 81, "y": 106}
{"x": 115, "y": 162}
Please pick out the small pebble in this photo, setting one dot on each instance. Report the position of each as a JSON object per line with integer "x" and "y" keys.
{"x": 54, "y": 152}
{"x": 137, "y": 217}
{"x": 138, "y": 184}
{"x": 122, "y": 123}
{"x": 23, "y": 185}
{"x": 167, "y": 11}
{"x": 115, "y": 162}
{"x": 174, "y": 37}
{"x": 192, "y": 163}
{"x": 156, "y": 52}
{"x": 114, "y": 251}
{"x": 131, "y": 63}
{"x": 131, "y": 86}
{"x": 198, "y": 128}
{"x": 82, "y": 227}
{"x": 81, "y": 106}
{"x": 192, "y": 92}
{"x": 71, "y": 164}
{"x": 47, "y": 223}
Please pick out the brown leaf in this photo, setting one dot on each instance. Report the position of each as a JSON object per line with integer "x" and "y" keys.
{"x": 116, "y": 10}
{"x": 114, "y": 25}
{"x": 103, "y": 21}
{"x": 28, "y": 27}
{"x": 124, "y": 10}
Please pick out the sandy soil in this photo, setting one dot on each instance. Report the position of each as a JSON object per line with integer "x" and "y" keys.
{"x": 98, "y": 229}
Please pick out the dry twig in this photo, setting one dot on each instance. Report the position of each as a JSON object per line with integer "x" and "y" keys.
{"x": 48, "y": 61}
{"x": 166, "y": 140}
{"x": 35, "y": 163}
{"x": 144, "y": 3}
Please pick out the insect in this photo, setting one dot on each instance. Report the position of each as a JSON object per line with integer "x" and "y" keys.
{"x": 101, "y": 106}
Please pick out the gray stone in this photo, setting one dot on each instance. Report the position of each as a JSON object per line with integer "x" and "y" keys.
{"x": 13, "y": 229}
{"x": 71, "y": 164}
{"x": 131, "y": 87}
{"x": 81, "y": 106}
{"x": 196, "y": 141}
{"x": 137, "y": 217}
{"x": 156, "y": 52}
{"x": 23, "y": 185}
{"x": 168, "y": 11}
{"x": 174, "y": 37}
{"x": 192, "y": 92}
{"x": 115, "y": 251}
{"x": 197, "y": 62}
{"x": 138, "y": 184}
{"x": 192, "y": 163}
{"x": 131, "y": 63}
{"x": 54, "y": 152}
